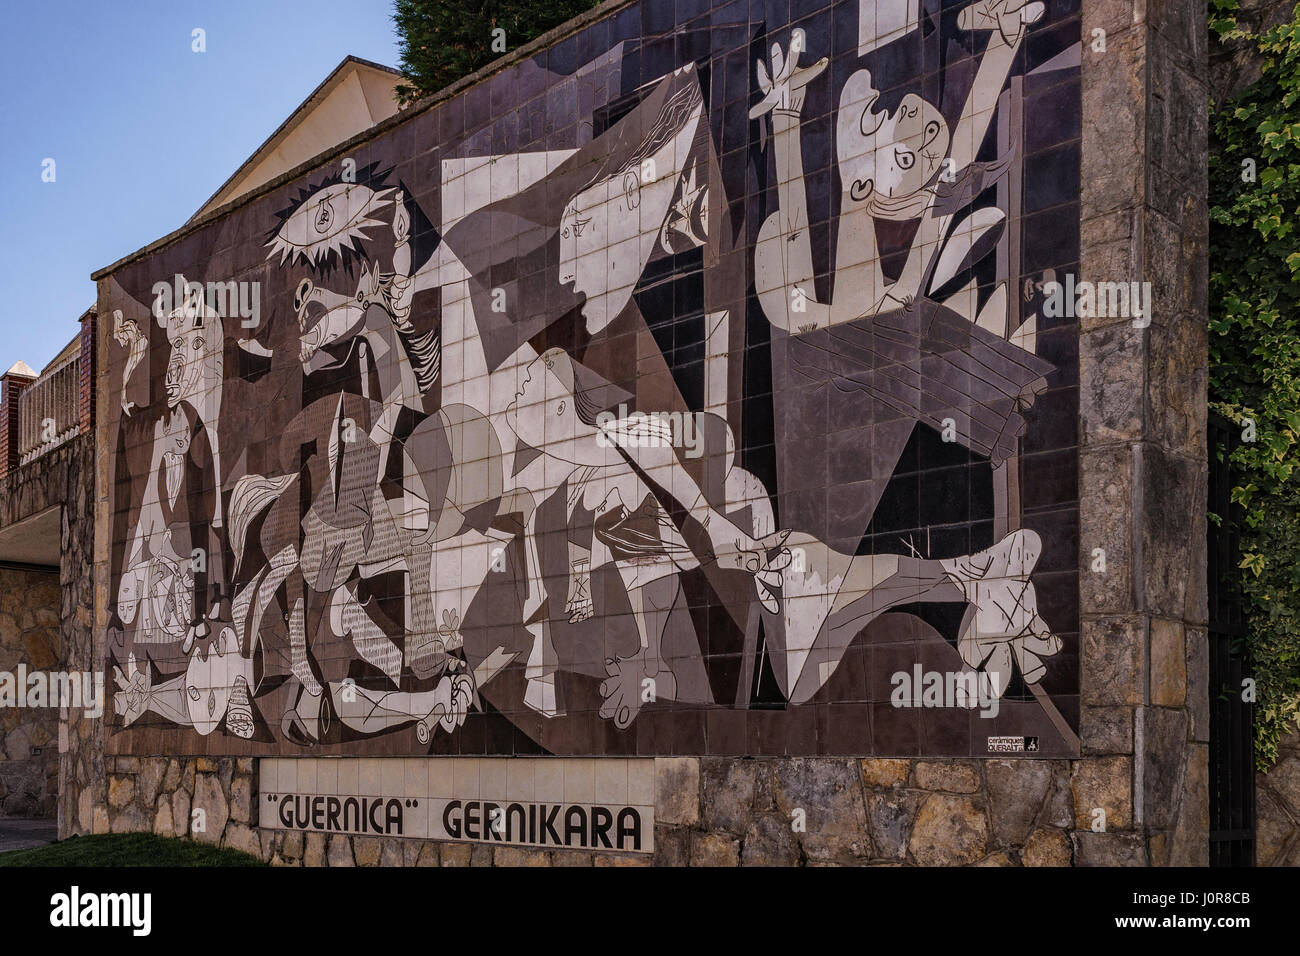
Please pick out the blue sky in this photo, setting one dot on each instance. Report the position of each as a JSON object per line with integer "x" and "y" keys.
{"x": 141, "y": 128}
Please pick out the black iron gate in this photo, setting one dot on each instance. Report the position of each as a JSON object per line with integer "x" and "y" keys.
{"x": 1232, "y": 753}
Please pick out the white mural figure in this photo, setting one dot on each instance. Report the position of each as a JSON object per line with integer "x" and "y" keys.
{"x": 127, "y": 334}
{"x": 630, "y": 529}
{"x": 215, "y": 690}
{"x": 890, "y": 168}
{"x": 158, "y": 582}
{"x": 881, "y": 348}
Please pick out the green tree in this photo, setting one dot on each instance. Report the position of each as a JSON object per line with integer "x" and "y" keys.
{"x": 443, "y": 40}
{"x": 1255, "y": 350}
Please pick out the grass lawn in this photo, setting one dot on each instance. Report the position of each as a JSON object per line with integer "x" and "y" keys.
{"x": 127, "y": 849}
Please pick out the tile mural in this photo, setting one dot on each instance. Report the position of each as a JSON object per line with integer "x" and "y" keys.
{"x": 685, "y": 388}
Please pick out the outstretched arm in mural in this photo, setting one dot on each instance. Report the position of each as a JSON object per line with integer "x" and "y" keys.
{"x": 733, "y": 548}
{"x": 370, "y": 711}
{"x": 783, "y": 266}
{"x": 1006, "y": 22}
{"x": 829, "y": 598}
{"x": 890, "y": 166}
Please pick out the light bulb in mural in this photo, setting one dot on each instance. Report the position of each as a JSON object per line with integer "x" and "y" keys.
{"x": 328, "y": 221}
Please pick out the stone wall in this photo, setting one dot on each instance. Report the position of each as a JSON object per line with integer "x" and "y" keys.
{"x": 1236, "y": 64}
{"x": 63, "y": 477}
{"x": 709, "y": 812}
{"x": 29, "y": 635}
{"x": 1142, "y": 409}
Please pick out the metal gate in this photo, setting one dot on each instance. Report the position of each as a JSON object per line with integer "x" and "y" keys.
{"x": 1232, "y": 753}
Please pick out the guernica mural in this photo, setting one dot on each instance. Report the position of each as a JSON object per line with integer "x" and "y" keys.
{"x": 684, "y": 388}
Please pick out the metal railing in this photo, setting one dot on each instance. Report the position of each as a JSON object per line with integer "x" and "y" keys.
{"x": 48, "y": 411}
{"x": 1232, "y": 753}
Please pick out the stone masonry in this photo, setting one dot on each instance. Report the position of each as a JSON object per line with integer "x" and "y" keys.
{"x": 29, "y": 635}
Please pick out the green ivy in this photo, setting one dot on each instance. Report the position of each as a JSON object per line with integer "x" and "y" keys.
{"x": 1255, "y": 351}
{"x": 442, "y": 40}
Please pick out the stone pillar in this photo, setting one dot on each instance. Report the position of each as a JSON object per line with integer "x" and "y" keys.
{"x": 1142, "y": 407}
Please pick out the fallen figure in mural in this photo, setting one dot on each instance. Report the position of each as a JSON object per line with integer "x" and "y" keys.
{"x": 613, "y": 519}
{"x": 883, "y": 356}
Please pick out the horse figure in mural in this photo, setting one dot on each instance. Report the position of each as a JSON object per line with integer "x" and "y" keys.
{"x": 370, "y": 462}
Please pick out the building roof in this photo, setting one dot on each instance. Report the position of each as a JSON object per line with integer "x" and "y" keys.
{"x": 21, "y": 368}
{"x": 68, "y": 351}
{"x": 354, "y": 97}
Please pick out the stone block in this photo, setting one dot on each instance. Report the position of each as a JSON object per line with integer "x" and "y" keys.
{"x": 455, "y": 854}
{"x": 1017, "y": 789}
{"x": 890, "y": 814}
{"x": 1108, "y": 849}
{"x": 121, "y": 791}
{"x": 1046, "y": 848}
{"x": 209, "y": 798}
{"x": 770, "y": 841}
{"x": 948, "y": 775}
{"x": 885, "y": 772}
{"x": 1166, "y": 761}
{"x": 340, "y": 851}
{"x": 727, "y": 788}
{"x": 714, "y": 849}
{"x": 366, "y": 850}
{"x": 677, "y": 790}
{"x": 1106, "y": 730}
{"x": 239, "y": 836}
{"x": 1111, "y": 661}
{"x": 1168, "y": 663}
{"x": 1105, "y": 783}
{"x": 1106, "y": 523}
{"x": 950, "y": 830}
{"x": 520, "y": 856}
{"x": 672, "y": 846}
{"x": 829, "y": 793}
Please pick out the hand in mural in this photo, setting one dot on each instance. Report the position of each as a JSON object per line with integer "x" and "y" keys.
{"x": 622, "y": 691}
{"x": 1008, "y": 17}
{"x": 783, "y": 89}
{"x": 764, "y": 558}
{"x": 579, "y": 606}
{"x": 131, "y": 698}
{"x": 453, "y": 697}
{"x": 1003, "y": 624}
